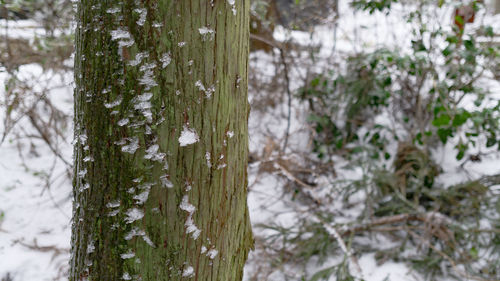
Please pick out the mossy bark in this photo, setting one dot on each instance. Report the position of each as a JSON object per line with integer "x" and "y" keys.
{"x": 161, "y": 140}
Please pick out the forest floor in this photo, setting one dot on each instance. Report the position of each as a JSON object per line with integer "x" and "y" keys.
{"x": 36, "y": 192}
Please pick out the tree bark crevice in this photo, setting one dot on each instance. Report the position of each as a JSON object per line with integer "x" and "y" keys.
{"x": 148, "y": 207}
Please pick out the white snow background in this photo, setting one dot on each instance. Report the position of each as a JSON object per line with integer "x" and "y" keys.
{"x": 35, "y": 221}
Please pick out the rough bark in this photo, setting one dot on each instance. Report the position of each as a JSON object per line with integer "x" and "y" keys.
{"x": 161, "y": 140}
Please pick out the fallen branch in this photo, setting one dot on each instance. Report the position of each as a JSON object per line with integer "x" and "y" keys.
{"x": 433, "y": 218}
{"x": 449, "y": 259}
{"x": 44, "y": 249}
{"x": 291, "y": 176}
{"x": 335, "y": 234}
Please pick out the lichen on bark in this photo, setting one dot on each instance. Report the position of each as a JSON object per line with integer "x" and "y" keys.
{"x": 147, "y": 206}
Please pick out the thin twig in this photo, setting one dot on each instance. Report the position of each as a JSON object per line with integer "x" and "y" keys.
{"x": 289, "y": 94}
{"x": 335, "y": 234}
{"x": 291, "y": 176}
{"x": 281, "y": 49}
{"x": 449, "y": 259}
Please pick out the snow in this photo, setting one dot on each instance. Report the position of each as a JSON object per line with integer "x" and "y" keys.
{"x": 148, "y": 241}
{"x": 134, "y": 214}
{"x": 153, "y": 154}
{"x": 190, "y": 225}
{"x": 141, "y": 233}
{"x": 205, "y": 30}
{"x": 267, "y": 203}
{"x": 113, "y": 213}
{"x": 147, "y": 66}
{"x": 186, "y": 206}
{"x": 120, "y": 34}
{"x": 212, "y": 253}
{"x": 188, "y": 272}
{"x": 192, "y": 228}
{"x": 134, "y": 232}
{"x": 84, "y": 187}
{"x": 115, "y": 103}
{"x": 208, "y": 157}
{"x": 199, "y": 85}
{"x": 147, "y": 79}
{"x": 188, "y": 136}
{"x": 138, "y": 58}
{"x": 166, "y": 58}
{"x": 123, "y": 122}
{"x": 113, "y": 10}
{"x": 82, "y": 173}
{"x": 88, "y": 159}
{"x": 32, "y": 214}
{"x": 206, "y": 33}
{"x": 208, "y": 92}
{"x": 157, "y": 25}
{"x": 152, "y": 150}
{"x": 123, "y": 37}
{"x": 166, "y": 182}
{"x": 386, "y": 271}
{"x": 126, "y": 276}
{"x": 132, "y": 146}
{"x": 141, "y": 198}
{"x": 90, "y": 247}
{"x": 143, "y": 14}
{"x": 232, "y": 3}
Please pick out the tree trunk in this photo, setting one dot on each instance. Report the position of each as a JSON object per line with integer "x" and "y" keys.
{"x": 161, "y": 140}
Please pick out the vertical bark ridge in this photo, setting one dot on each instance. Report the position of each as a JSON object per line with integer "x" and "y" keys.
{"x": 146, "y": 72}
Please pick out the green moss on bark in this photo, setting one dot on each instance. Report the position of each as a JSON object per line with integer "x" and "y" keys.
{"x": 148, "y": 237}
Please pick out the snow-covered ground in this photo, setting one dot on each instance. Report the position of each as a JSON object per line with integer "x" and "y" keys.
{"x": 35, "y": 191}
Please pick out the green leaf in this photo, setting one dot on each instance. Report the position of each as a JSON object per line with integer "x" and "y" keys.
{"x": 469, "y": 45}
{"x": 418, "y": 138}
{"x": 441, "y": 120}
{"x": 489, "y": 31}
{"x": 438, "y": 108}
{"x": 462, "y": 148}
{"x": 459, "y": 19}
{"x": 387, "y": 81}
{"x": 452, "y": 39}
{"x": 478, "y": 120}
{"x": 447, "y": 51}
{"x": 323, "y": 274}
{"x": 461, "y": 118}
{"x": 357, "y": 149}
{"x": 315, "y": 118}
{"x": 474, "y": 252}
{"x": 491, "y": 141}
{"x": 444, "y": 134}
{"x": 339, "y": 143}
{"x": 468, "y": 134}
{"x": 315, "y": 82}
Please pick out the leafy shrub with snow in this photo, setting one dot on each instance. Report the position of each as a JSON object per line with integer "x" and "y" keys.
{"x": 386, "y": 112}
